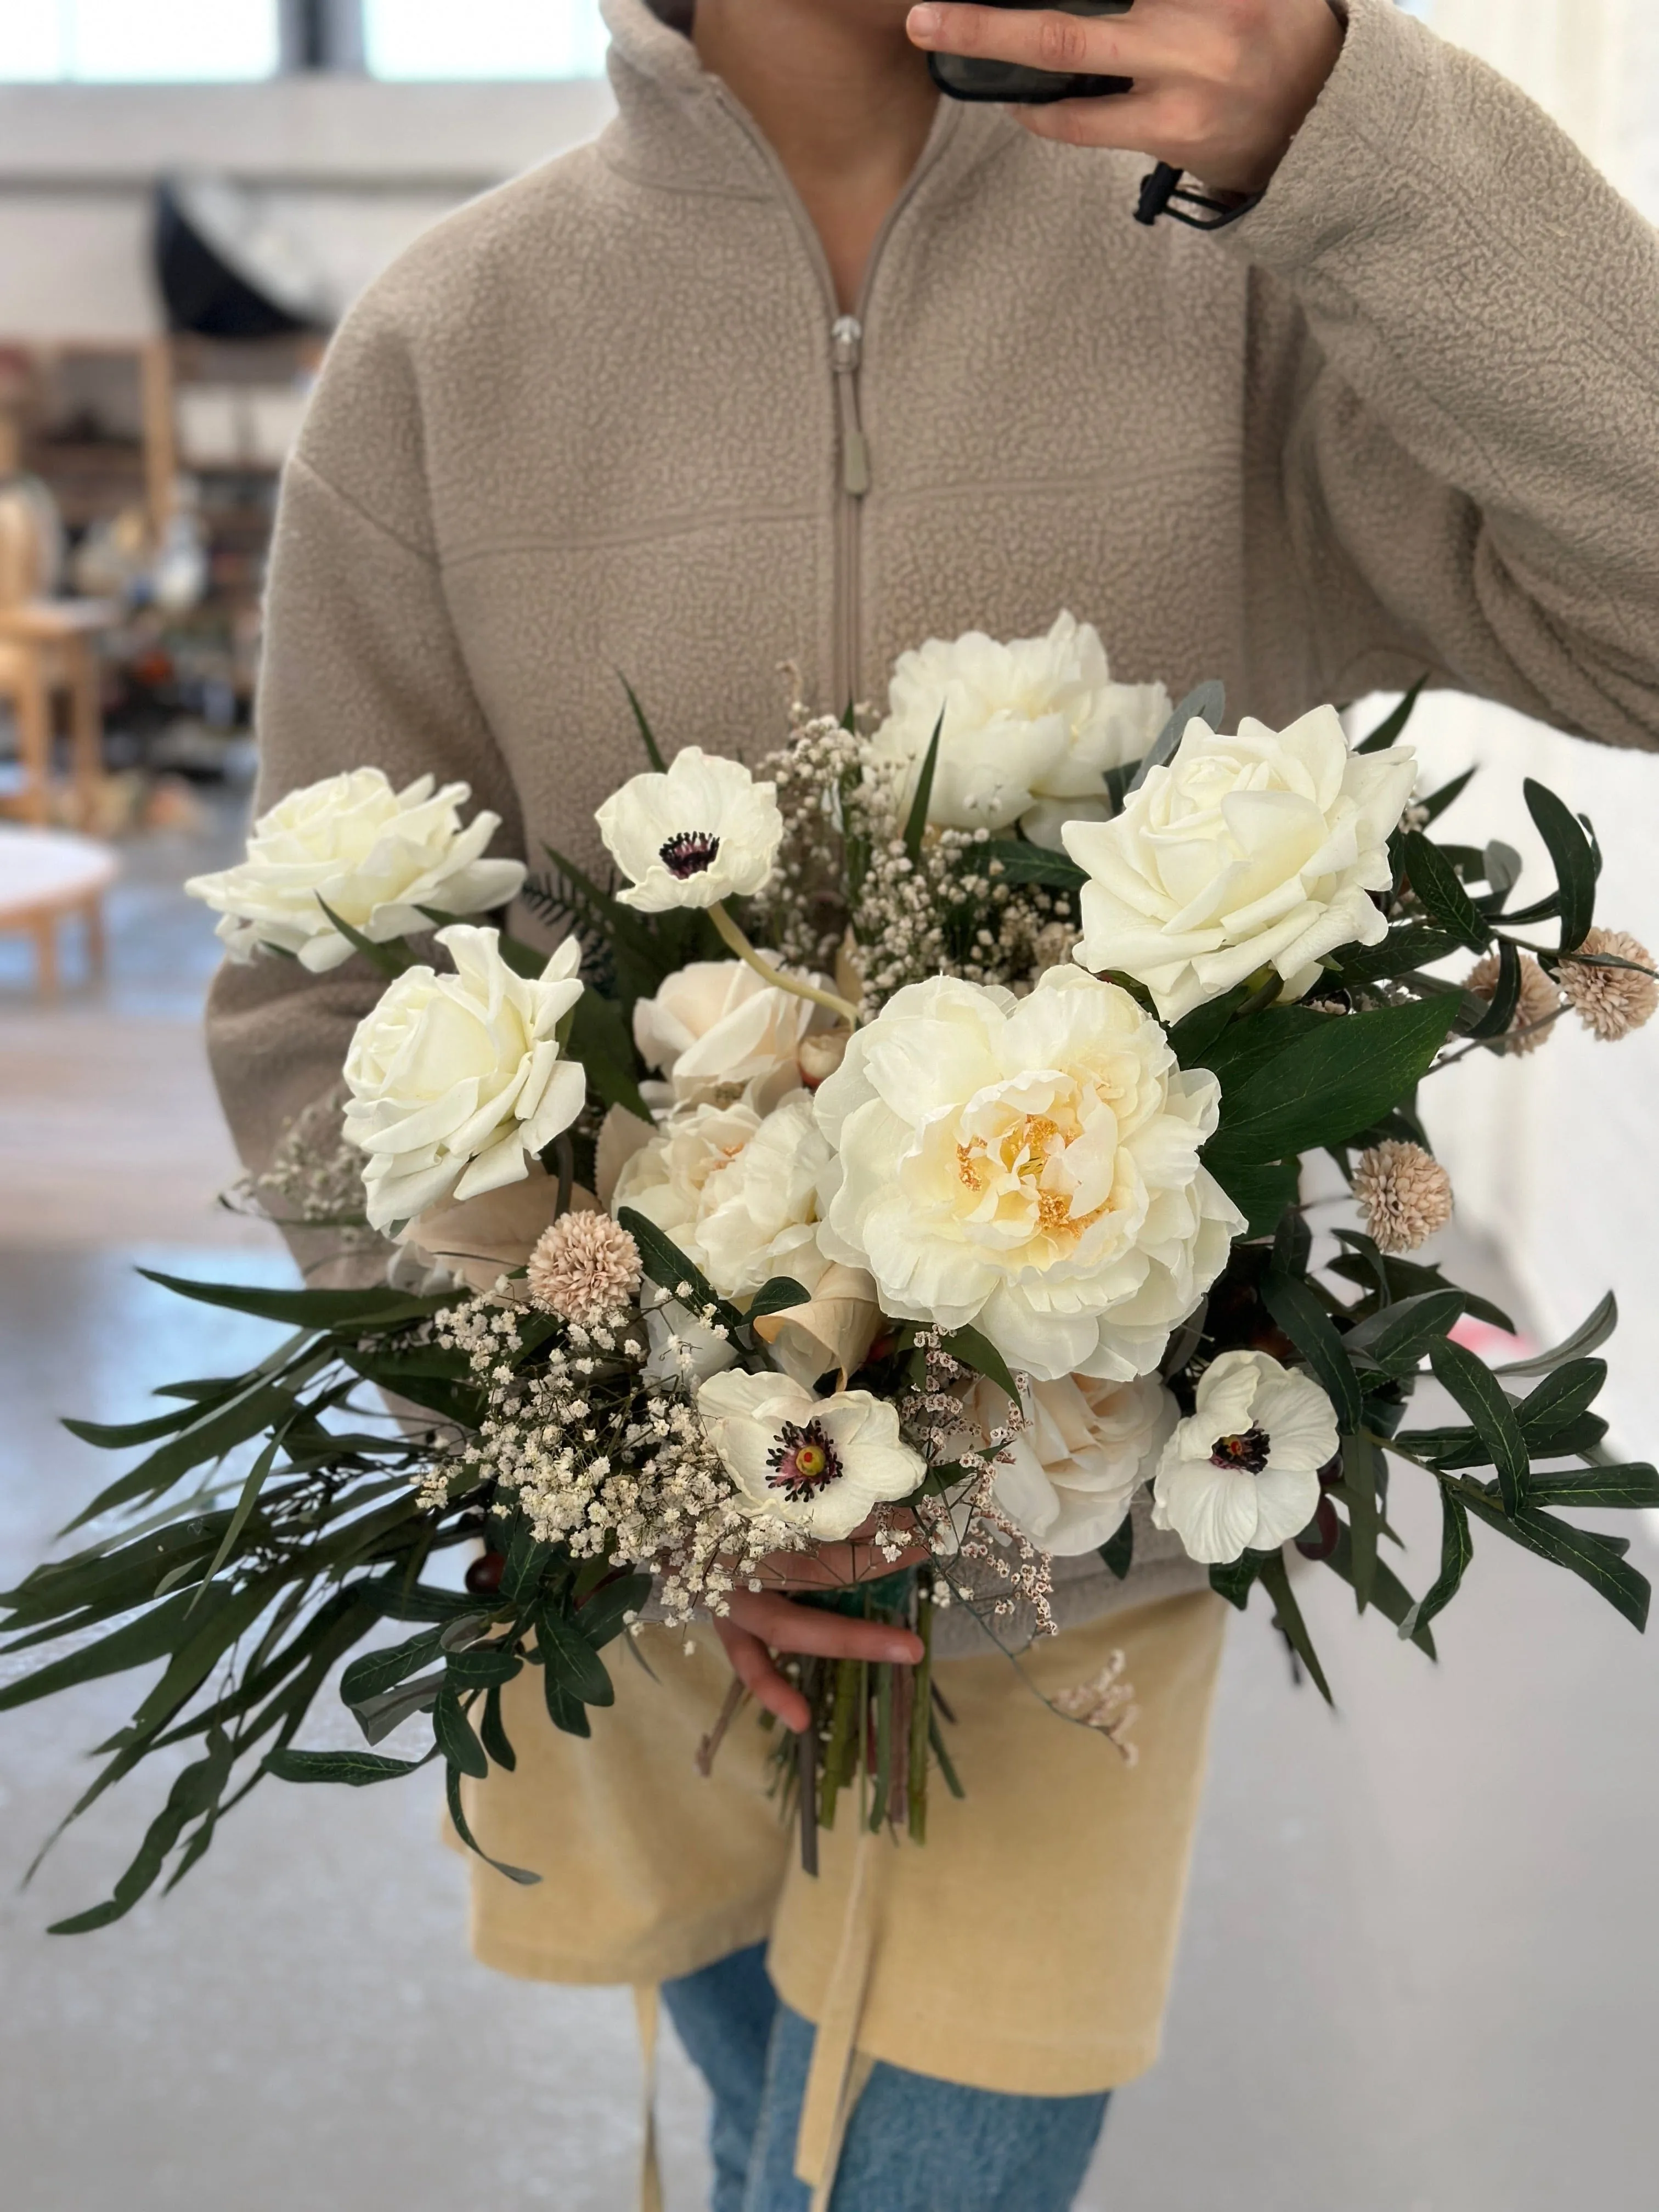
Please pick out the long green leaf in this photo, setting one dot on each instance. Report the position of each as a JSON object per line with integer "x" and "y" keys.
{"x": 1313, "y": 1332}
{"x": 1330, "y": 1084}
{"x": 358, "y": 1770}
{"x": 379, "y": 1671}
{"x": 604, "y": 1615}
{"x": 1395, "y": 1339}
{"x": 781, "y": 1295}
{"x": 1388, "y": 734}
{"x": 915, "y": 828}
{"x": 1589, "y": 1336}
{"x": 1020, "y": 863}
{"x": 1574, "y": 859}
{"x": 1359, "y": 1485}
{"x": 1277, "y": 1583}
{"x": 454, "y": 1735}
{"x": 1456, "y": 1550}
{"x": 1206, "y": 702}
{"x": 1402, "y": 953}
{"x": 457, "y": 1815}
{"x": 571, "y": 1660}
{"x": 1389, "y": 1596}
{"x": 138, "y": 1643}
{"x": 1481, "y": 1394}
{"x": 376, "y": 1307}
{"x": 973, "y": 1349}
{"x": 1585, "y": 1555}
{"x": 647, "y": 735}
{"x": 1627, "y": 1488}
{"x": 667, "y": 1266}
{"x": 393, "y": 960}
{"x": 1436, "y": 883}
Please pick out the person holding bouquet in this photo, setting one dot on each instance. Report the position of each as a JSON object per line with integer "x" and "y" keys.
{"x": 799, "y": 363}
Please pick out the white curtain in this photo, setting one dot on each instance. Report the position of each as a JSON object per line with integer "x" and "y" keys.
{"x": 1557, "y": 1158}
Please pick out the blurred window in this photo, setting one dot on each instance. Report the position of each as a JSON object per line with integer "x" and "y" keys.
{"x": 139, "y": 41}
{"x": 438, "y": 38}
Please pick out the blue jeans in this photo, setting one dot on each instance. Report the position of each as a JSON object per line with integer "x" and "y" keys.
{"x": 913, "y": 2144}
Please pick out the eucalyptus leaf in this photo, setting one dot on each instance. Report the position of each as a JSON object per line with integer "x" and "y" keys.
{"x": 1589, "y": 1336}
{"x": 1329, "y": 1085}
{"x": 1574, "y": 859}
{"x": 1207, "y": 703}
{"x": 1389, "y": 733}
{"x": 1456, "y": 1550}
{"x": 1395, "y": 1339}
{"x": 1312, "y": 1331}
{"x": 1436, "y": 883}
{"x": 1481, "y": 1394}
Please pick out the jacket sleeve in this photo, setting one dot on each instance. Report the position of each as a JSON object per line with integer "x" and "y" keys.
{"x": 1453, "y": 419}
{"x": 361, "y": 668}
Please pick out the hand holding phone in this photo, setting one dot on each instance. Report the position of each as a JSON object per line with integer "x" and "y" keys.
{"x": 963, "y": 76}
{"x": 1215, "y": 87}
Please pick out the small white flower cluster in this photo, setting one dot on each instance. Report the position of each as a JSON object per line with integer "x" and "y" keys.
{"x": 602, "y": 1460}
{"x": 981, "y": 1556}
{"x": 817, "y": 776}
{"x": 315, "y": 1177}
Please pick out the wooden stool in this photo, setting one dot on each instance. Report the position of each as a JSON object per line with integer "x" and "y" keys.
{"x": 45, "y": 875}
{"x": 49, "y": 648}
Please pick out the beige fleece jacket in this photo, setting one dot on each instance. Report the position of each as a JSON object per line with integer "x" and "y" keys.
{"x": 1401, "y": 418}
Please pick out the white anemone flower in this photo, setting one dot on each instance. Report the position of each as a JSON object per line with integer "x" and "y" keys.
{"x": 1242, "y": 1474}
{"x": 459, "y": 1081}
{"x": 821, "y": 1465}
{"x": 1029, "y": 1167}
{"x": 373, "y": 856}
{"x": 704, "y": 832}
{"x": 1029, "y": 730}
{"x": 1242, "y": 853}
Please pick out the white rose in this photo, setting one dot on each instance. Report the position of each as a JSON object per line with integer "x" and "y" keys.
{"x": 1031, "y": 728}
{"x": 374, "y": 856}
{"x": 1068, "y": 1478}
{"x": 737, "y": 1192}
{"x": 1028, "y": 1166}
{"x": 822, "y": 1465}
{"x": 1243, "y": 853}
{"x": 458, "y": 1082}
{"x": 1242, "y": 1474}
{"x": 717, "y": 1026}
{"x": 703, "y": 832}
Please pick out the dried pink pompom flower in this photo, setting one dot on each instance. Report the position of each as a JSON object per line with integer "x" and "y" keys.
{"x": 1404, "y": 1194}
{"x": 1611, "y": 1002}
{"x": 1540, "y": 999}
{"x": 584, "y": 1268}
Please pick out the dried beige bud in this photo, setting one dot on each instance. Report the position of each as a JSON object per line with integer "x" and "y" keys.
{"x": 1540, "y": 999}
{"x": 819, "y": 1053}
{"x": 585, "y": 1268}
{"x": 1404, "y": 1194}
{"x": 1611, "y": 1002}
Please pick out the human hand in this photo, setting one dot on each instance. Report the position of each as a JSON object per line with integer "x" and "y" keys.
{"x": 762, "y": 1622}
{"x": 1221, "y": 87}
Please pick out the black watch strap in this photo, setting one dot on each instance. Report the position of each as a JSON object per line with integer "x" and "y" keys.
{"x": 1163, "y": 193}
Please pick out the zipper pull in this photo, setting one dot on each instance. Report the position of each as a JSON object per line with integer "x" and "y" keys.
{"x": 847, "y": 354}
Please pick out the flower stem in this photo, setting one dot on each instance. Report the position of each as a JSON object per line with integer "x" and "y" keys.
{"x": 732, "y": 936}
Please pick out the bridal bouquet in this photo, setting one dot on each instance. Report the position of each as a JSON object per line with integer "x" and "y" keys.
{"x": 899, "y": 1165}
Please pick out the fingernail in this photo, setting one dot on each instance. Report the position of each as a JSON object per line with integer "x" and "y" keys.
{"x": 923, "y": 23}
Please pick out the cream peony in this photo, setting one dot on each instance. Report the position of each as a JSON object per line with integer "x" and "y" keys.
{"x": 1243, "y": 853}
{"x": 738, "y": 1192}
{"x": 1242, "y": 1474}
{"x": 1029, "y": 732}
{"x": 704, "y": 832}
{"x": 718, "y": 1027}
{"x": 822, "y": 1465}
{"x": 1029, "y": 1166}
{"x": 374, "y": 855}
{"x": 458, "y": 1081}
{"x": 1068, "y": 1477}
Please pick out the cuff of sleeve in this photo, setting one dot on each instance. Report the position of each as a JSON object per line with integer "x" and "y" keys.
{"x": 1338, "y": 180}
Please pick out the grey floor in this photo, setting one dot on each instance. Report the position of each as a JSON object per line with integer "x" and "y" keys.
{"x": 1421, "y": 1957}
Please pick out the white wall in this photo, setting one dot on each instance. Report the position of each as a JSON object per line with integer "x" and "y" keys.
{"x": 354, "y": 170}
{"x": 1554, "y": 1157}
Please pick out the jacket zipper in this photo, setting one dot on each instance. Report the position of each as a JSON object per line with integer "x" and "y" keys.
{"x": 847, "y": 332}
{"x": 846, "y": 355}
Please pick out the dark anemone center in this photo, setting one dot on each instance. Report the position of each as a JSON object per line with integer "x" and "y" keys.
{"x": 1247, "y": 1455}
{"x": 803, "y": 1460}
{"x": 690, "y": 853}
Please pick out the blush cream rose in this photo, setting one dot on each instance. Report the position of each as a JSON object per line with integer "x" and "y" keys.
{"x": 374, "y": 856}
{"x": 1067, "y": 1480}
{"x": 1029, "y": 1167}
{"x": 458, "y": 1082}
{"x": 717, "y": 1027}
{"x": 1244, "y": 853}
{"x": 1031, "y": 727}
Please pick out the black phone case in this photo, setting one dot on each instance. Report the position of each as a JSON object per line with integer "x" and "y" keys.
{"x": 960, "y": 77}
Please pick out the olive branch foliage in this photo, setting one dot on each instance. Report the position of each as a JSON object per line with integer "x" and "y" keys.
{"x": 241, "y": 1588}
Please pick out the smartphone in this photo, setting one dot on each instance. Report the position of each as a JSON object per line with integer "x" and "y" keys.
{"x": 963, "y": 78}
